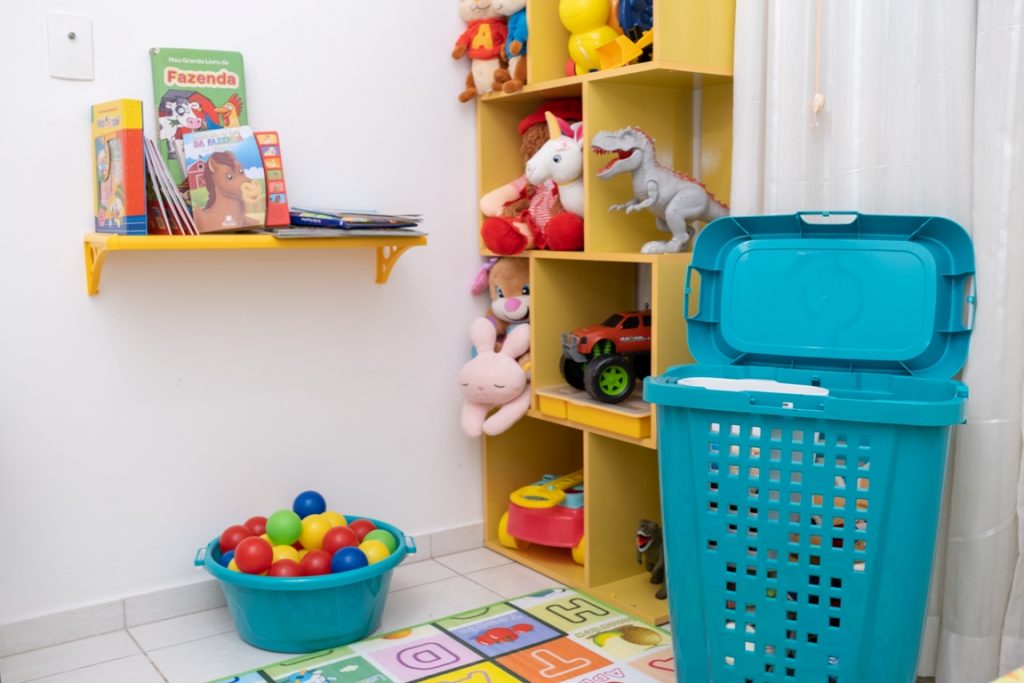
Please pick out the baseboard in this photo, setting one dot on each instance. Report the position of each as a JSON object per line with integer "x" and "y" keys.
{"x": 145, "y": 608}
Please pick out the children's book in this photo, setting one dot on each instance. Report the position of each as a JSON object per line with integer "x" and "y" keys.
{"x": 195, "y": 90}
{"x": 277, "y": 194}
{"x": 120, "y": 170}
{"x": 168, "y": 212}
{"x": 350, "y": 219}
{"x": 226, "y": 179}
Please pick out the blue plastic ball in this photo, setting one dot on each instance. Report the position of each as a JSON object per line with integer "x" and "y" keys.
{"x": 225, "y": 558}
{"x": 348, "y": 558}
{"x": 309, "y": 503}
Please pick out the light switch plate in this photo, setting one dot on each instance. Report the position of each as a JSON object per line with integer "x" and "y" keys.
{"x": 70, "y": 38}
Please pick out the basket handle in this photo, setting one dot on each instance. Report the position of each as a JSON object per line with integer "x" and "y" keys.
{"x": 803, "y": 215}
{"x": 200, "y": 557}
{"x": 410, "y": 543}
{"x": 687, "y": 294}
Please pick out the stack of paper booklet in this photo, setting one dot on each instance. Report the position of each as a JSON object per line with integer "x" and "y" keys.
{"x": 321, "y": 223}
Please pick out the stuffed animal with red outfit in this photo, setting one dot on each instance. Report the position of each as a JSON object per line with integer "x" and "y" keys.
{"x": 519, "y": 215}
{"x": 482, "y": 41}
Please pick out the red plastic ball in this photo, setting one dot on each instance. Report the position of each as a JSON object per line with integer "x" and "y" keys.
{"x": 339, "y": 537}
{"x": 257, "y": 525}
{"x": 254, "y": 555}
{"x": 316, "y": 562}
{"x": 285, "y": 567}
{"x": 232, "y": 536}
{"x": 362, "y": 527}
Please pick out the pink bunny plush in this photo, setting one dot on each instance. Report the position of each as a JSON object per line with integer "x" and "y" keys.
{"x": 494, "y": 379}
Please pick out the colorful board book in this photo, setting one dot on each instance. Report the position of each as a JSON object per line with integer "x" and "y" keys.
{"x": 120, "y": 169}
{"x": 195, "y": 90}
{"x": 225, "y": 179}
{"x": 277, "y": 194}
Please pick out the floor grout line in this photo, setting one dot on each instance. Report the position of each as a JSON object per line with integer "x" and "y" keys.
{"x": 145, "y": 653}
{"x": 84, "y": 666}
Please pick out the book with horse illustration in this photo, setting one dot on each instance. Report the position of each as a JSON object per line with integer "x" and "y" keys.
{"x": 195, "y": 90}
{"x": 226, "y": 180}
{"x": 120, "y": 169}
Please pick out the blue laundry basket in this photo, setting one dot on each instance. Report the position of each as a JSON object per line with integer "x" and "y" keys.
{"x": 802, "y": 458}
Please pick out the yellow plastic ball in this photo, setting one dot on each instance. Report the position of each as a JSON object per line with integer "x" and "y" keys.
{"x": 334, "y": 518}
{"x": 313, "y": 529}
{"x": 285, "y": 552}
{"x": 233, "y": 567}
{"x": 375, "y": 551}
{"x": 266, "y": 538}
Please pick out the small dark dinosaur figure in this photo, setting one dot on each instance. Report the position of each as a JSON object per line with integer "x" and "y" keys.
{"x": 650, "y": 553}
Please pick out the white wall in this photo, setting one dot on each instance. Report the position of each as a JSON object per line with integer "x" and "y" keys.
{"x": 199, "y": 389}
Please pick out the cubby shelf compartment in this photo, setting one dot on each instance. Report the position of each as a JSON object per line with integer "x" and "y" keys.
{"x": 620, "y": 489}
{"x": 98, "y": 245}
{"x": 573, "y": 289}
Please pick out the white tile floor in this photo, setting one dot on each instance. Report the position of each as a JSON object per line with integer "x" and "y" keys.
{"x": 201, "y": 646}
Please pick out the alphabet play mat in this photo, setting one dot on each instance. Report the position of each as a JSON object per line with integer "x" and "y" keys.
{"x": 556, "y": 635}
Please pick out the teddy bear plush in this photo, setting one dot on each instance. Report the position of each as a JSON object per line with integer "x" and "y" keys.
{"x": 482, "y": 41}
{"x": 519, "y": 215}
{"x": 508, "y": 281}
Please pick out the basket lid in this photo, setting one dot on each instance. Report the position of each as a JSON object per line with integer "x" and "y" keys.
{"x": 833, "y": 291}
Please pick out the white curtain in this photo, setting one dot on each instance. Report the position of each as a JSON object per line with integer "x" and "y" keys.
{"x": 920, "y": 110}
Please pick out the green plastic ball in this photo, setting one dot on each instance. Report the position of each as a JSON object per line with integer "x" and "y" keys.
{"x": 384, "y": 537}
{"x": 284, "y": 527}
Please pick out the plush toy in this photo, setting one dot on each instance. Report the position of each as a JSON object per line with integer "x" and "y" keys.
{"x": 482, "y": 42}
{"x": 561, "y": 159}
{"x": 513, "y": 78}
{"x": 493, "y": 379}
{"x": 508, "y": 280}
{"x": 522, "y": 216}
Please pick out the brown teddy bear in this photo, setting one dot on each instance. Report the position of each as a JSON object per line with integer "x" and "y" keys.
{"x": 508, "y": 280}
{"x": 522, "y": 216}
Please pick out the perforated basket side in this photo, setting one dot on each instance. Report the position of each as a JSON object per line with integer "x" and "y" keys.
{"x": 799, "y": 549}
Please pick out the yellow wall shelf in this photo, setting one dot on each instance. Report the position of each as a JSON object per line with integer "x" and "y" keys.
{"x": 98, "y": 245}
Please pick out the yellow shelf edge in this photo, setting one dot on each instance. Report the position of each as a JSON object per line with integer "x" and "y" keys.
{"x": 616, "y": 256}
{"x": 708, "y": 76}
{"x": 648, "y": 442}
{"x": 97, "y": 245}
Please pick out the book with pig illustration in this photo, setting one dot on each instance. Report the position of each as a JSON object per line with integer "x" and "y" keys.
{"x": 119, "y": 165}
{"x": 226, "y": 179}
{"x": 195, "y": 90}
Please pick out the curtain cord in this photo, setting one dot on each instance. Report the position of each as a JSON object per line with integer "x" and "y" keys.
{"x": 818, "y": 101}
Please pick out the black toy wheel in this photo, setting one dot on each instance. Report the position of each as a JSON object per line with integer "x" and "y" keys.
{"x": 573, "y": 373}
{"x": 609, "y": 379}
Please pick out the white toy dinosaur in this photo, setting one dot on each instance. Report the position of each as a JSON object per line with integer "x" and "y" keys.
{"x": 674, "y": 198}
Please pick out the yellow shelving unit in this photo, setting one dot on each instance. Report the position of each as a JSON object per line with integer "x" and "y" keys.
{"x": 98, "y": 246}
{"x": 688, "y": 81}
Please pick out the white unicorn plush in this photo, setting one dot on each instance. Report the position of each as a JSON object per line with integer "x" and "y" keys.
{"x": 561, "y": 160}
